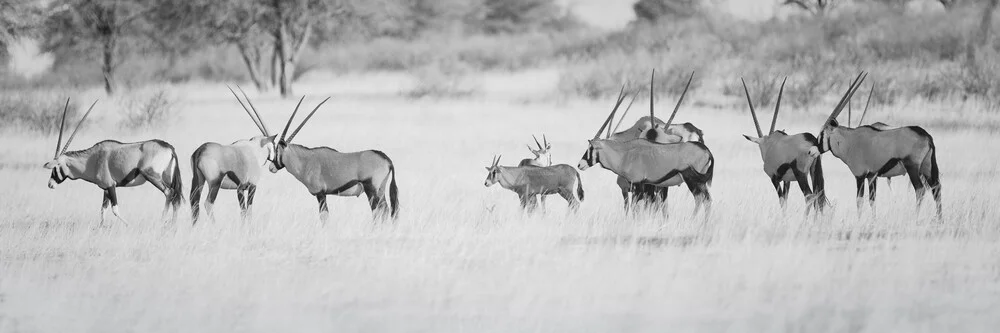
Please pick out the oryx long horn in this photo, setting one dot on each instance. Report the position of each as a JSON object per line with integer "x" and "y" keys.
{"x": 777, "y": 106}
{"x": 261, "y": 129}
{"x": 652, "y": 123}
{"x": 290, "y": 137}
{"x": 62, "y": 125}
{"x": 259, "y": 119}
{"x": 73, "y": 135}
{"x": 629, "y": 107}
{"x": 536, "y": 142}
{"x": 870, "y": 92}
{"x": 847, "y": 96}
{"x": 545, "y": 140}
{"x": 289, "y": 123}
{"x": 612, "y": 115}
{"x": 753, "y": 113}
{"x": 678, "y": 106}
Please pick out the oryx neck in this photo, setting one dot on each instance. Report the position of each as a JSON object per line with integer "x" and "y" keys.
{"x": 76, "y": 162}
{"x": 507, "y": 177}
{"x": 610, "y": 155}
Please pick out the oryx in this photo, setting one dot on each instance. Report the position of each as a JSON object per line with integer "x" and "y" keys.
{"x": 869, "y": 152}
{"x": 543, "y": 155}
{"x": 897, "y": 170}
{"x": 641, "y": 162}
{"x": 236, "y": 166}
{"x": 530, "y": 181}
{"x": 325, "y": 171}
{"x": 662, "y": 132}
{"x": 111, "y": 164}
{"x": 789, "y": 158}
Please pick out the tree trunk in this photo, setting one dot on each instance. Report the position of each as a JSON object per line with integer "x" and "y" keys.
{"x": 251, "y": 57}
{"x": 275, "y": 65}
{"x": 108, "y": 63}
{"x": 282, "y": 44}
{"x": 983, "y": 35}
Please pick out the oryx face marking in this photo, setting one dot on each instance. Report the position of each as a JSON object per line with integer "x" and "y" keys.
{"x": 58, "y": 174}
{"x": 591, "y": 156}
{"x": 492, "y": 175}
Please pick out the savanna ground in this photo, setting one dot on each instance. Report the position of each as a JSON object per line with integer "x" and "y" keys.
{"x": 462, "y": 257}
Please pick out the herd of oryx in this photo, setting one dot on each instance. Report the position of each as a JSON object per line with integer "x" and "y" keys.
{"x": 648, "y": 158}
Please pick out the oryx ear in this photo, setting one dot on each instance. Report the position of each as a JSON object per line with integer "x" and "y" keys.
{"x": 752, "y": 139}
{"x": 833, "y": 123}
{"x": 488, "y": 168}
{"x": 50, "y": 164}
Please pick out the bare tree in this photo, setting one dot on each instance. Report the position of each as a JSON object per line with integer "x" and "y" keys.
{"x": 99, "y": 25}
{"x": 982, "y": 36}
{"x": 814, "y": 7}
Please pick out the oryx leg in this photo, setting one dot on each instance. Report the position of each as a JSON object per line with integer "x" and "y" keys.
{"x": 376, "y": 201}
{"x": 157, "y": 182}
{"x": 527, "y": 202}
{"x": 782, "y": 193}
{"x": 113, "y": 196}
{"x": 800, "y": 177}
{"x": 571, "y": 199}
{"x": 251, "y": 191}
{"x": 860, "y": 194}
{"x": 213, "y": 192}
{"x": 701, "y": 196}
{"x": 104, "y": 206}
{"x": 241, "y": 197}
{"x": 197, "y": 184}
{"x": 872, "y": 184}
{"x": 324, "y": 210}
{"x": 918, "y": 185}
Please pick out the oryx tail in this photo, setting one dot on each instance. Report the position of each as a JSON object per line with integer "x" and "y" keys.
{"x": 393, "y": 190}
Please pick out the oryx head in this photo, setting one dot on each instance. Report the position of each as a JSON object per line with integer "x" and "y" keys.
{"x": 543, "y": 153}
{"x": 266, "y": 141}
{"x": 493, "y": 172}
{"x": 828, "y": 135}
{"x": 58, "y": 163}
{"x": 278, "y": 161}
{"x": 655, "y": 131}
{"x": 592, "y": 155}
{"x": 762, "y": 140}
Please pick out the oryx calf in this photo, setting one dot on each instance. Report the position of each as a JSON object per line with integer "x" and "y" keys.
{"x": 789, "y": 158}
{"x": 236, "y": 166}
{"x": 529, "y": 181}
{"x": 870, "y": 153}
{"x": 326, "y": 171}
{"x": 111, "y": 164}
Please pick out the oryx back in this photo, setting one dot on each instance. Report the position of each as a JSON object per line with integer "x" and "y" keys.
{"x": 869, "y": 150}
{"x": 781, "y": 152}
{"x": 233, "y": 164}
{"x": 324, "y": 170}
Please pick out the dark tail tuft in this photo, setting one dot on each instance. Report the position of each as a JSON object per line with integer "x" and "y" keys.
{"x": 579, "y": 186}
{"x": 177, "y": 186}
{"x": 711, "y": 170}
{"x": 393, "y": 192}
{"x": 819, "y": 187}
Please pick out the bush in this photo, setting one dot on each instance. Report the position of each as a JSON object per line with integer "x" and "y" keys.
{"x": 442, "y": 80}
{"x": 145, "y": 110}
{"x": 35, "y": 110}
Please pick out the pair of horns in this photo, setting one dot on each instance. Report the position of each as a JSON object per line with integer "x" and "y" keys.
{"x": 863, "y": 113}
{"x": 496, "y": 161}
{"x": 62, "y": 126}
{"x": 753, "y": 113}
{"x": 621, "y": 98}
{"x": 676, "y": 107}
{"x": 289, "y": 123}
{"x": 254, "y": 115}
{"x": 544, "y": 139}
{"x": 847, "y": 96}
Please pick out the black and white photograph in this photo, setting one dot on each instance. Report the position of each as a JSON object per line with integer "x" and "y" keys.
{"x": 360, "y": 166}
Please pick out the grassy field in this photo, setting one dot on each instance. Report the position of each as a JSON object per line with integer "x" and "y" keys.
{"x": 463, "y": 258}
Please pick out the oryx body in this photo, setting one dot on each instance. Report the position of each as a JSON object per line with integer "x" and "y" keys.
{"x": 528, "y": 182}
{"x": 111, "y": 164}
{"x": 326, "y": 171}
{"x": 869, "y": 153}
{"x": 789, "y": 158}
{"x": 236, "y": 166}
{"x": 674, "y": 133}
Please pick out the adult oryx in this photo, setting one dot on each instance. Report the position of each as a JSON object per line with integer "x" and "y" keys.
{"x": 531, "y": 181}
{"x": 897, "y": 170}
{"x": 641, "y": 162}
{"x": 789, "y": 158}
{"x": 236, "y": 166}
{"x": 656, "y": 131}
{"x": 870, "y": 152}
{"x": 325, "y": 171}
{"x": 111, "y": 164}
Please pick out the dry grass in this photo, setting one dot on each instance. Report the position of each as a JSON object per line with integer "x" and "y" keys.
{"x": 462, "y": 258}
